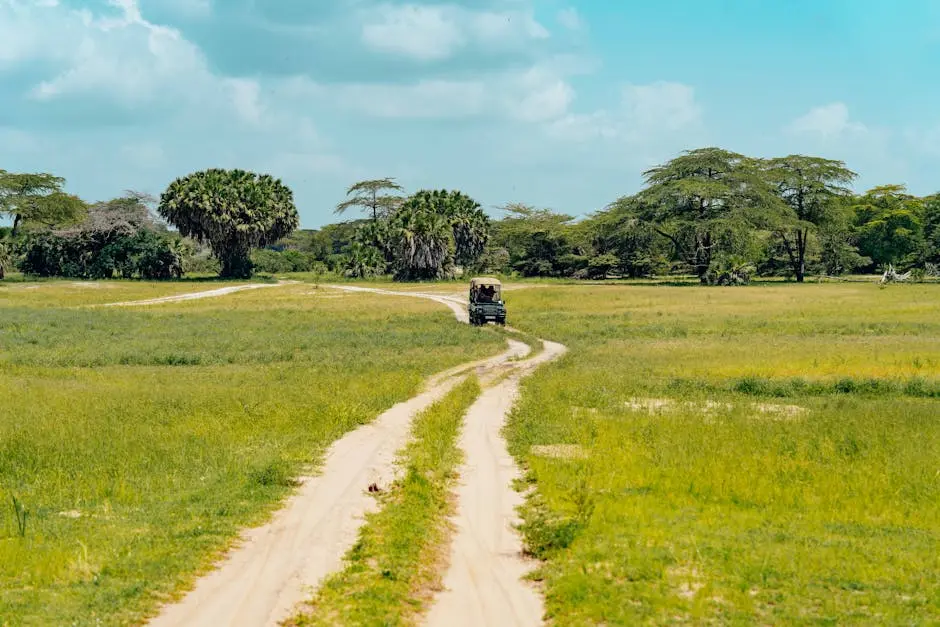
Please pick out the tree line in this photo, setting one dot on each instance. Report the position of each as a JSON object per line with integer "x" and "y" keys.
{"x": 716, "y": 215}
{"x": 219, "y": 217}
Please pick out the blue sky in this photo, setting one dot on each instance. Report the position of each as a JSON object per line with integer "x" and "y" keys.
{"x": 556, "y": 103}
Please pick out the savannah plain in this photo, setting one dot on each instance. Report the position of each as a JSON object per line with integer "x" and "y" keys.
{"x": 698, "y": 455}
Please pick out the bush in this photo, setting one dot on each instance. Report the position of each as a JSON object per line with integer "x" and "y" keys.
{"x": 601, "y": 265}
{"x": 101, "y": 255}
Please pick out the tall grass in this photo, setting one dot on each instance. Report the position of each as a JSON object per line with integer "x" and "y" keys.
{"x": 748, "y": 456}
{"x": 141, "y": 440}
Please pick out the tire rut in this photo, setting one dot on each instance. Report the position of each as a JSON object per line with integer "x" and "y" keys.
{"x": 484, "y": 583}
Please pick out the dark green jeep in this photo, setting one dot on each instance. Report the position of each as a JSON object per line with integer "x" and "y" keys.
{"x": 486, "y": 301}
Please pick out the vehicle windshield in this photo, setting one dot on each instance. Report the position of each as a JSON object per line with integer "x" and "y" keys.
{"x": 487, "y": 294}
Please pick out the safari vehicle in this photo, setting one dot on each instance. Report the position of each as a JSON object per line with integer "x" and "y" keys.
{"x": 486, "y": 301}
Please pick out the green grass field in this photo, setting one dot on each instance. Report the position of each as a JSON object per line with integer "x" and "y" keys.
{"x": 141, "y": 440}
{"x": 763, "y": 455}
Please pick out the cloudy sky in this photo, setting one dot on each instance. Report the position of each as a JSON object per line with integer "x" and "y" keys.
{"x": 558, "y": 103}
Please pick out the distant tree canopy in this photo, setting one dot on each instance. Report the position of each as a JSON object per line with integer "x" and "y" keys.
{"x": 369, "y": 196}
{"x": 719, "y": 215}
{"x": 233, "y": 211}
{"x": 809, "y": 188}
{"x": 709, "y": 213}
{"x": 724, "y": 214}
{"x": 449, "y": 223}
{"x": 38, "y": 199}
{"x": 890, "y": 224}
{"x": 6, "y": 258}
{"x": 426, "y": 235}
{"x": 118, "y": 238}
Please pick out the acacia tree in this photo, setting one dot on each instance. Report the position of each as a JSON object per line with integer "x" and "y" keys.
{"x": 889, "y": 223}
{"x": 535, "y": 240}
{"x": 618, "y": 231}
{"x": 38, "y": 199}
{"x": 704, "y": 201}
{"x": 368, "y": 196}
{"x": 811, "y": 188}
{"x": 233, "y": 211}
{"x": 932, "y": 229}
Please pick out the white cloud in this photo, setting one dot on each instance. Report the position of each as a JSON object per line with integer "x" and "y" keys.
{"x": 662, "y": 105}
{"x": 20, "y": 33}
{"x": 119, "y": 56}
{"x": 570, "y": 19}
{"x": 533, "y": 95}
{"x": 296, "y": 164}
{"x": 645, "y": 112}
{"x": 538, "y": 95}
{"x": 503, "y": 28}
{"x": 16, "y": 141}
{"x": 246, "y": 97}
{"x": 426, "y": 99}
{"x": 828, "y": 121}
{"x": 144, "y": 155}
{"x": 421, "y": 32}
{"x": 436, "y": 32}
{"x": 830, "y": 131}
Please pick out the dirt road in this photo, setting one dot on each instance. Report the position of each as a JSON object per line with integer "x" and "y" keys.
{"x": 456, "y": 305}
{"x": 277, "y": 566}
{"x": 484, "y": 582}
{"x": 222, "y": 291}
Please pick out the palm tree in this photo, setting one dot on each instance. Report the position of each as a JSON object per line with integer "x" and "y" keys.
{"x": 233, "y": 210}
{"x": 471, "y": 228}
{"x": 363, "y": 261}
{"x": 468, "y": 224}
{"x": 421, "y": 244}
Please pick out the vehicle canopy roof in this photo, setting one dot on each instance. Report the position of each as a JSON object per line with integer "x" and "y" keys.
{"x": 478, "y": 281}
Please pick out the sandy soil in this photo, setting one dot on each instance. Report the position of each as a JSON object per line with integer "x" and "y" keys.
{"x": 484, "y": 583}
{"x": 222, "y": 291}
{"x": 277, "y": 566}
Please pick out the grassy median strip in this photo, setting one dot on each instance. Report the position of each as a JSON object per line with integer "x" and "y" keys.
{"x": 395, "y": 565}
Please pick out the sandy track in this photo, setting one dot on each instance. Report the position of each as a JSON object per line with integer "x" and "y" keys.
{"x": 277, "y": 566}
{"x": 484, "y": 582}
{"x": 222, "y": 291}
{"x": 456, "y": 305}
